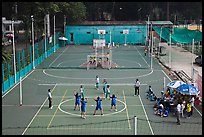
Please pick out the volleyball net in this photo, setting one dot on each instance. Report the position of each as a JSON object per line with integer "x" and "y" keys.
{"x": 138, "y": 126}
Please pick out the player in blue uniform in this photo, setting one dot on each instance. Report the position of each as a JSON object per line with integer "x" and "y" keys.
{"x": 98, "y": 105}
{"x": 113, "y": 102}
{"x": 83, "y": 107}
{"x": 77, "y": 100}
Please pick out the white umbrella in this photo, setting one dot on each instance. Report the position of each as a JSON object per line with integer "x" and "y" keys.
{"x": 62, "y": 38}
{"x": 175, "y": 84}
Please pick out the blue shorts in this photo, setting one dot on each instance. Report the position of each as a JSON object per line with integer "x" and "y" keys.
{"x": 83, "y": 109}
{"x": 98, "y": 107}
{"x": 77, "y": 103}
{"x": 113, "y": 104}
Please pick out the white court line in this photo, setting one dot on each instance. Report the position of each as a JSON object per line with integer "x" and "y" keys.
{"x": 58, "y": 57}
{"x": 167, "y": 76}
{"x": 17, "y": 83}
{"x": 67, "y": 105}
{"x": 92, "y": 78}
{"x": 66, "y": 112}
{"x": 36, "y": 113}
{"x": 127, "y": 111}
{"x": 53, "y": 128}
{"x": 61, "y": 115}
{"x": 142, "y": 57}
{"x": 146, "y": 116}
{"x": 56, "y": 111}
{"x": 77, "y": 84}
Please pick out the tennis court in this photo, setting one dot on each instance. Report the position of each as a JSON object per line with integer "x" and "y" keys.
{"x": 62, "y": 73}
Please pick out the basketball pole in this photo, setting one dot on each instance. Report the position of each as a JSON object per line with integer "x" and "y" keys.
{"x": 21, "y": 97}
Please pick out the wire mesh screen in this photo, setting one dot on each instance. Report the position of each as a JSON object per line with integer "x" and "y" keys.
{"x": 122, "y": 57}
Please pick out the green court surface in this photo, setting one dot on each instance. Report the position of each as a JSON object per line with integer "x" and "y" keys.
{"x": 34, "y": 117}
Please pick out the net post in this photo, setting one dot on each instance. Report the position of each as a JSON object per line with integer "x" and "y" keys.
{"x": 164, "y": 83}
{"x": 21, "y": 97}
{"x": 110, "y": 59}
{"x": 102, "y": 56}
{"x": 135, "y": 125}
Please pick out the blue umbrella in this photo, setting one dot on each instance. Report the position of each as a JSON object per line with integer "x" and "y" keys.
{"x": 188, "y": 89}
{"x": 175, "y": 84}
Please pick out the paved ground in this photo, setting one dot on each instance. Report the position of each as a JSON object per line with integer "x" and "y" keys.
{"x": 181, "y": 60}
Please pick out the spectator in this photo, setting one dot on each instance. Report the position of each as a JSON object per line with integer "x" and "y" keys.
{"x": 160, "y": 109}
{"x": 188, "y": 109}
{"x": 149, "y": 92}
{"x": 162, "y": 95}
{"x": 192, "y": 101}
{"x": 182, "y": 108}
{"x": 166, "y": 113}
{"x": 178, "y": 113}
{"x": 153, "y": 97}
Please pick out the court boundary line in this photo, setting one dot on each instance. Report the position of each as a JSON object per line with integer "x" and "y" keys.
{"x": 146, "y": 116}
{"x": 66, "y": 105}
{"x": 56, "y": 110}
{"x": 55, "y": 128}
{"x": 58, "y": 56}
{"x": 129, "y": 127}
{"x": 37, "y": 113}
{"x": 61, "y": 115}
{"x": 78, "y": 84}
{"x": 92, "y": 78}
{"x": 142, "y": 56}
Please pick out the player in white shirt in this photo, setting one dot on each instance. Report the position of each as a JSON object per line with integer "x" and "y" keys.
{"x": 97, "y": 82}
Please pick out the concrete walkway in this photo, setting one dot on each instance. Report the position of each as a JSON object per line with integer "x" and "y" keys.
{"x": 181, "y": 59}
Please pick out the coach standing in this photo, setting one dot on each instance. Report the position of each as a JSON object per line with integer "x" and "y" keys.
{"x": 50, "y": 99}
{"x": 137, "y": 87}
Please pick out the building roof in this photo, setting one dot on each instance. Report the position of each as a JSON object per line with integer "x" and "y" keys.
{"x": 112, "y": 23}
{"x": 160, "y": 22}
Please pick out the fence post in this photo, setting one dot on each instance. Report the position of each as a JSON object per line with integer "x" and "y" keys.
{"x": 135, "y": 125}
{"x": 3, "y": 77}
{"x": 31, "y": 53}
{"x": 19, "y": 64}
{"x": 8, "y": 71}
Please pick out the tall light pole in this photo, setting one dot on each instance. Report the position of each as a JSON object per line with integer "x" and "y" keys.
{"x": 64, "y": 24}
{"x": 45, "y": 35}
{"x": 33, "y": 42}
{"x": 151, "y": 47}
{"x": 54, "y": 33}
{"x": 192, "y": 68}
{"x": 14, "y": 55}
{"x": 170, "y": 49}
{"x": 148, "y": 35}
{"x": 110, "y": 37}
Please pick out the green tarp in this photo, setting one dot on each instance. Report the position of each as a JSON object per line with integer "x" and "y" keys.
{"x": 180, "y": 35}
